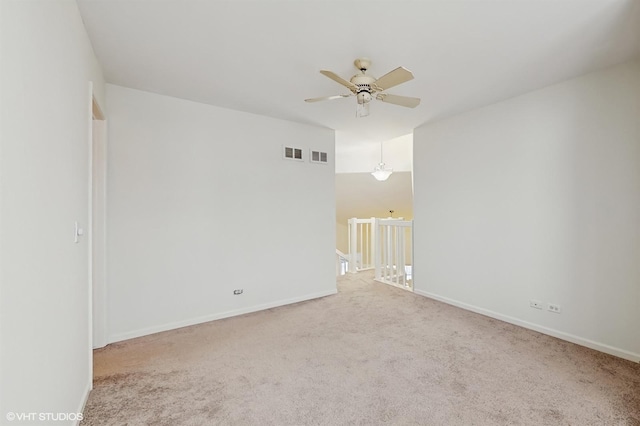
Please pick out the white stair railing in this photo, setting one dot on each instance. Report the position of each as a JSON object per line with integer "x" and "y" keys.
{"x": 361, "y": 243}
{"x": 393, "y": 252}
{"x": 342, "y": 263}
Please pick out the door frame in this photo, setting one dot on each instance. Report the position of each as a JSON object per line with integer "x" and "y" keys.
{"x": 97, "y": 225}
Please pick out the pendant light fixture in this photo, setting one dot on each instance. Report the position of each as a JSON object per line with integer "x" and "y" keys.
{"x": 381, "y": 172}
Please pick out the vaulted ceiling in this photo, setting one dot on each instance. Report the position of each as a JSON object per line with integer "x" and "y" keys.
{"x": 360, "y": 195}
{"x": 263, "y": 57}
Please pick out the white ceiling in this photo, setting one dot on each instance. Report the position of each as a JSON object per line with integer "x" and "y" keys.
{"x": 264, "y": 56}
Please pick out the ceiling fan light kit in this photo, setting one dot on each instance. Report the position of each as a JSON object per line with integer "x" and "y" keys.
{"x": 364, "y": 86}
{"x": 362, "y": 110}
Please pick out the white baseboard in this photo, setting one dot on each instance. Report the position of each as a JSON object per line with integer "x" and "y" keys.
{"x": 621, "y": 353}
{"x": 199, "y": 320}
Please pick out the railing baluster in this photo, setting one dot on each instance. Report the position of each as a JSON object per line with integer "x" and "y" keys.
{"x": 401, "y": 256}
{"x": 353, "y": 245}
{"x": 385, "y": 245}
{"x": 396, "y": 252}
{"x": 391, "y": 251}
{"x": 365, "y": 250}
{"x": 377, "y": 238}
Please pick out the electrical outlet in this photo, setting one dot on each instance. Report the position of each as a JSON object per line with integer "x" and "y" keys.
{"x": 551, "y": 307}
{"x": 535, "y": 304}
{"x": 236, "y": 292}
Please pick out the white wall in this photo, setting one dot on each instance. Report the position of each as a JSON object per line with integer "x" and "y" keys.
{"x": 200, "y": 202}
{"x": 342, "y": 237}
{"x": 47, "y": 63}
{"x": 353, "y": 156}
{"x": 538, "y": 197}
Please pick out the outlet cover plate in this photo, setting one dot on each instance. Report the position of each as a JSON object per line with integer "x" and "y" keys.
{"x": 552, "y": 307}
{"x": 535, "y": 304}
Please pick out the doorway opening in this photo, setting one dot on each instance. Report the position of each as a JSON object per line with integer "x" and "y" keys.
{"x": 362, "y": 198}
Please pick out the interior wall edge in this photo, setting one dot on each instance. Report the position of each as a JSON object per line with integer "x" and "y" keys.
{"x": 85, "y": 398}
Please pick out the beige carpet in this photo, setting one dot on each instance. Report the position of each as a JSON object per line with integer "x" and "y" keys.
{"x": 372, "y": 354}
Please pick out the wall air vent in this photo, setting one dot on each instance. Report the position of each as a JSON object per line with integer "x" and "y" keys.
{"x": 318, "y": 157}
{"x": 290, "y": 153}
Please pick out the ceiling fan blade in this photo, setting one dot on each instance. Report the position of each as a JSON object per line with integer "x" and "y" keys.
{"x": 326, "y": 98}
{"x": 393, "y": 78}
{"x": 335, "y": 77}
{"x": 404, "y": 101}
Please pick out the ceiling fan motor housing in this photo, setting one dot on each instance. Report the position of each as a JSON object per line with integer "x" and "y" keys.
{"x": 362, "y": 80}
{"x": 364, "y": 90}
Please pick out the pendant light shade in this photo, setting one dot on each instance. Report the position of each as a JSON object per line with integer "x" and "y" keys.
{"x": 380, "y": 172}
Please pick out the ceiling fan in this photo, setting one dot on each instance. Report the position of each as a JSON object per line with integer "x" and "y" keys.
{"x": 364, "y": 86}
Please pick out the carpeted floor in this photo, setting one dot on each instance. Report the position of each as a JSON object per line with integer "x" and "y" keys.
{"x": 372, "y": 354}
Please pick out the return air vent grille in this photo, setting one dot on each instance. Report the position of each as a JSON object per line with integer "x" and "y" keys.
{"x": 319, "y": 157}
{"x": 290, "y": 153}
